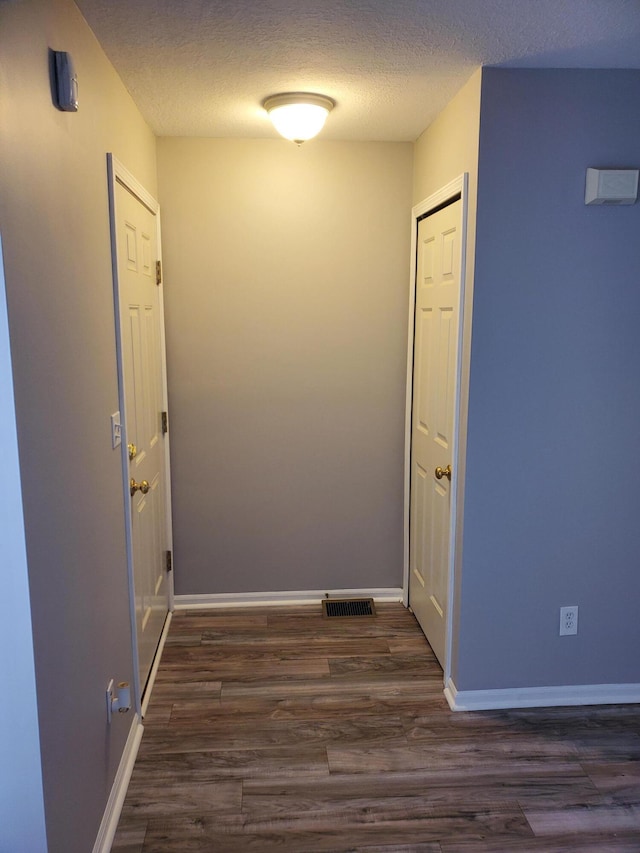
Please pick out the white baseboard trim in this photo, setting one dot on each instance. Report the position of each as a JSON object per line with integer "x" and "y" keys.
{"x": 156, "y": 664}
{"x": 255, "y": 599}
{"x": 541, "y": 697}
{"x": 112, "y": 812}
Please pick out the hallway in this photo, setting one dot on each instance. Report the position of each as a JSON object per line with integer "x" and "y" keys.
{"x": 276, "y": 729}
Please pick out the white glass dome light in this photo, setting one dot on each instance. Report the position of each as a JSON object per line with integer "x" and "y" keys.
{"x": 298, "y": 116}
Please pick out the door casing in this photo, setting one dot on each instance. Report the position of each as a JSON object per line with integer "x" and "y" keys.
{"x": 454, "y": 189}
{"x": 118, "y": 173}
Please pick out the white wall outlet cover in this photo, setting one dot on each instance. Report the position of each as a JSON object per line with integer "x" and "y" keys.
{"x": 569, "y": 620}
{"x": 611, "y": 186}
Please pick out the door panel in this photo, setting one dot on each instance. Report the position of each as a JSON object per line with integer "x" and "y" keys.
{"x": 424, "y": 337}
{"x": 434, "y": 394}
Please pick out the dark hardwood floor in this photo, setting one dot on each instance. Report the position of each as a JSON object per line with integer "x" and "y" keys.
{"x": 275, "y": 729}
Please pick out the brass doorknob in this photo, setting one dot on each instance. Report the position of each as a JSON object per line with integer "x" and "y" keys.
{"x": 143, "y": 486}
{"x": 443, "y": 472}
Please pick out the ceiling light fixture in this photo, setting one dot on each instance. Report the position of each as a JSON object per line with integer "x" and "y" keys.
{"x": 298, "y": 116}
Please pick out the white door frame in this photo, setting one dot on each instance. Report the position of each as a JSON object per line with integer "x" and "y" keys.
{"x": 117, "y": 173}
{"x": 458, "y": 188}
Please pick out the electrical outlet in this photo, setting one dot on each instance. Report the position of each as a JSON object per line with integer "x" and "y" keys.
{"x": 569, "y": 620}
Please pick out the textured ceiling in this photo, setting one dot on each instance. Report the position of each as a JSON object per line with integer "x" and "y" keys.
{"x": 203, "y": 67}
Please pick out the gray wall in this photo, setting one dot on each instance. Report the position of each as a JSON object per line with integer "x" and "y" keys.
{"x": 286, "y": 308}
{"x": 55, "y": 231}
{"x": 551, "y": 511}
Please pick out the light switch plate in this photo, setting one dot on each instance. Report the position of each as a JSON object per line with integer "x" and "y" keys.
{"x": 116, "y": 430}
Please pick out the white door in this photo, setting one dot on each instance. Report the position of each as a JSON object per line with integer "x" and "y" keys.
{"x": 433, "y": 415}
{"x": 141, "y": 344}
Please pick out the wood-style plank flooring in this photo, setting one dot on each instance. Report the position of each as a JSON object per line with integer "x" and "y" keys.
{"x": 275, "y": 729}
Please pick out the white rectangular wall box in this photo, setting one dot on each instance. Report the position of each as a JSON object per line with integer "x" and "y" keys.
{"x": 611, "y": 186}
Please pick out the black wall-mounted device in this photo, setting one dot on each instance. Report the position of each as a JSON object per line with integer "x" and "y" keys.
{"x": 66, "y": 82}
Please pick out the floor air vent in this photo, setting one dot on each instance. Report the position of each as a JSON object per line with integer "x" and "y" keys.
{"x": 348, "y": 607}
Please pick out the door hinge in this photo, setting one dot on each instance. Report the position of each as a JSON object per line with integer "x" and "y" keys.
{"x": 168, "y": 563}
{"x": 158, "y": 272}
{"x": 165, "y": 422}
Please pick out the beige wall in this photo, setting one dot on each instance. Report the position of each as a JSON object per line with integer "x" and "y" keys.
{"x": 286, "y": 275}
{"x": 55, "y": 230}
{"x": 448, "y": 148}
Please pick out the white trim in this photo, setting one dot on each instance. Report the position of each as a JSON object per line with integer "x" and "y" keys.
{"x": 255, "y": 599}
{"x": 118, "y": 173}
{"x": 167, "y": 438}
{"x": 124, "y": 177}
{"x": 114, "y": 168}
{"x": 458, "y": 186}
{"x": 541, "y": 697}
{"x": 111, "y": 815}
{"x": 409, "y": 406}
{"x": 156, "y": 663}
